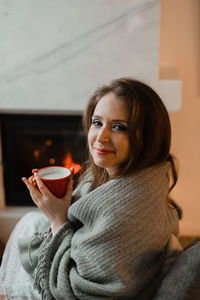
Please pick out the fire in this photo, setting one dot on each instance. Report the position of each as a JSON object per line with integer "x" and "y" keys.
{"x": 52, "y": 161}
{"x": 69, "y": 163}
{"x": 36, "y": 154}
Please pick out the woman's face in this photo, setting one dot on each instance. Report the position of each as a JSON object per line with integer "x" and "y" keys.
{"x": 108, "y": 134}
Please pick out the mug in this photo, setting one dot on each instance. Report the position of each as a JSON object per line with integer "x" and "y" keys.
{"x": 55, "y": 179}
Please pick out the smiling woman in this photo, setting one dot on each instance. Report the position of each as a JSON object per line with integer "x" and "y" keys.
{"x": 140, "y": 117}
{"x": 108, "y": 135}
{"x": 115, "y": 236}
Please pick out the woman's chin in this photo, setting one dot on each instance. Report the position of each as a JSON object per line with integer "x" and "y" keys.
{"x": 101, "y": 164}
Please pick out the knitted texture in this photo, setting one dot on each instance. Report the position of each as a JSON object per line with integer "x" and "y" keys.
{"x": 113, "y": 244}
{"x": 182, "y": 282}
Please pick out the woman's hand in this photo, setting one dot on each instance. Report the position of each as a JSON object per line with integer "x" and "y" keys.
{"x": 54, "y": 208}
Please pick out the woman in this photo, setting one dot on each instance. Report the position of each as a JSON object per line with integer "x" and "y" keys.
{"x": 111, "y": 238}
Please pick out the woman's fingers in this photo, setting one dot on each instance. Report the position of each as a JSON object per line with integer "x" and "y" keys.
{"x": 68, "y": 195}
{"x": 41, "y": 186}
{"x": 28, "y": 183}
{"x": 70, "y": 186}
{"x": 32, "y": 180}
{"x": 34, "y": 192}
{"x": 72, "y": 170}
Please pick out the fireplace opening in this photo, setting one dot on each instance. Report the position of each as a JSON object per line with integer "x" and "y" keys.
{"x": 34, "y": 141}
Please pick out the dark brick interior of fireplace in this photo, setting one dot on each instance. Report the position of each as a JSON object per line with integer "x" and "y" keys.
{"x": 34, "y": 141}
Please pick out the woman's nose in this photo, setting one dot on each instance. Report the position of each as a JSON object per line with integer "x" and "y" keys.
{"x": 103, "y": 135}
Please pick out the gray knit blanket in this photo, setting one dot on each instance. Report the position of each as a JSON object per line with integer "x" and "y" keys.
{"x": 113, "y": 244}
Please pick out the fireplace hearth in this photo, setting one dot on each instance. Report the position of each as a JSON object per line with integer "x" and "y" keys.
{"x": 34, "y": 141}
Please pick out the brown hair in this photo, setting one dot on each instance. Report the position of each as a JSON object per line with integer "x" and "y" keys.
{"x": 149, "y": 130}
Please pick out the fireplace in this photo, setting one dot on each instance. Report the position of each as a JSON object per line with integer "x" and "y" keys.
{"x": 35, "y": 141}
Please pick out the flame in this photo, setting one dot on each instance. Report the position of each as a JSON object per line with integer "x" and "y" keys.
{"x": 52, "y": 161}
{"x": 48, "y": 143}
{"x": 69, "y": 163}
{"x": 36, "y": 154}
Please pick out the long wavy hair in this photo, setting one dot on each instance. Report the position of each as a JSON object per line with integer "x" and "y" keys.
{"x": 149, "y": 128}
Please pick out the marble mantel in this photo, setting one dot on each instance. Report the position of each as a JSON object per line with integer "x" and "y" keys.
{"x": 55, "y": 53}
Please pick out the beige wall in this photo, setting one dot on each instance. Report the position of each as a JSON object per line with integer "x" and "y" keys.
{"x": 180, "y": 49}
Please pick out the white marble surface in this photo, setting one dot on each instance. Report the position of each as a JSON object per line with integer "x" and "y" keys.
{"x": 53, "y": 54}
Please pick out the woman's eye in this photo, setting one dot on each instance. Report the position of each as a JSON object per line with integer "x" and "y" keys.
{"x": 96, "y": 122}
{"x": 120, "y": 127}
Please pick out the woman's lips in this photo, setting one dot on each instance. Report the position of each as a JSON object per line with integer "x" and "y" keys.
{"x": 103, "y": 151}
